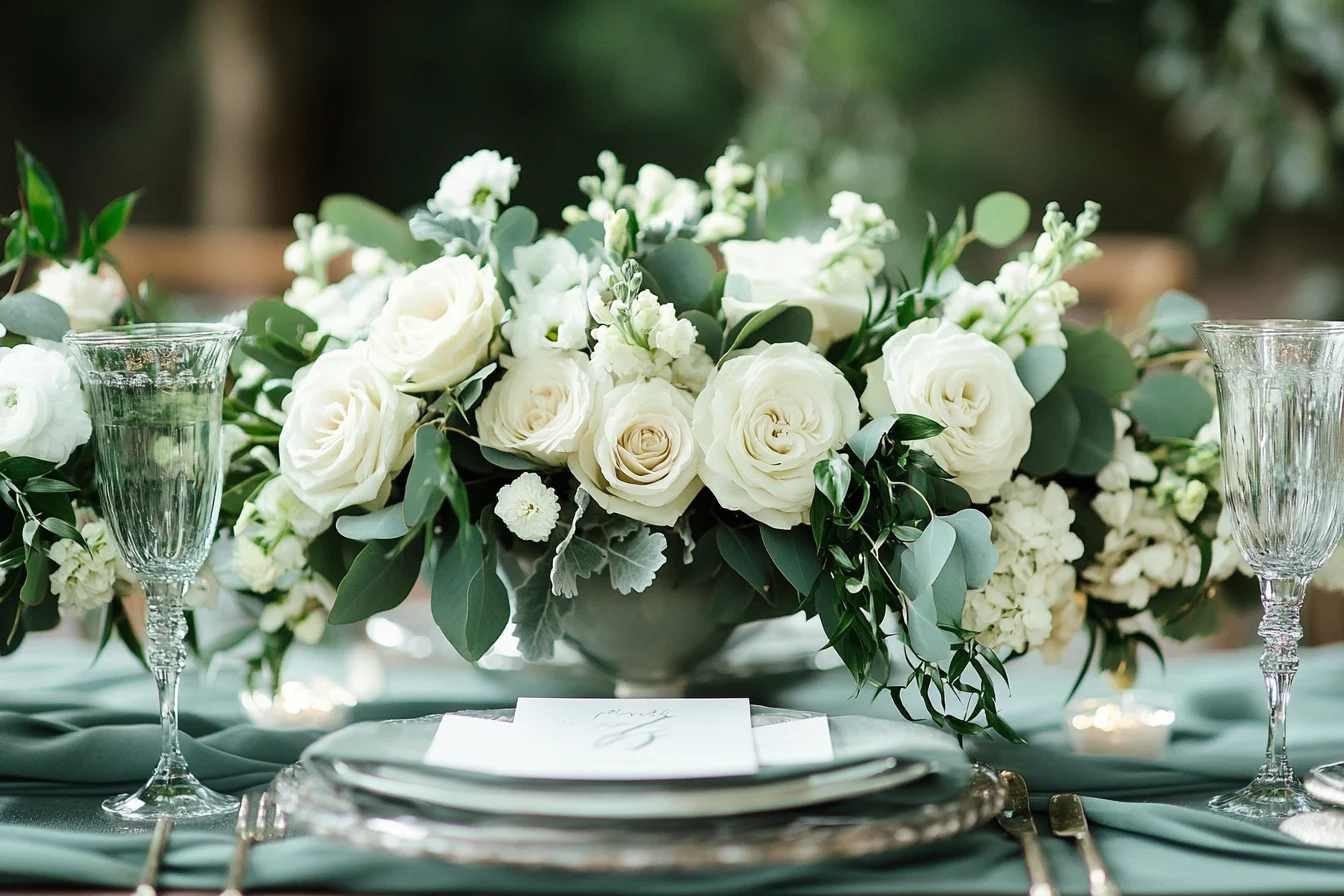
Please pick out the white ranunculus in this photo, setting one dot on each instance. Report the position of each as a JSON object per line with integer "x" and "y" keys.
{"x": 476, "y": 185}
{"x": 791, "y": 271}
{"x": 763, "y": 422}
{"x": 438, "y": 325}
{"x": 90, "y": 300}
{"x": 540, "y": 407}
{"x": 348, "y": 432}
{"x": 41, "y": 406}
{"x": 638, "y": 456}
{"x": 965, "y": 382}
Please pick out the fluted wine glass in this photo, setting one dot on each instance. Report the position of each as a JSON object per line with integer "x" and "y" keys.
{"x": 1281, "y": 405}
{"x": 156, "y": 394}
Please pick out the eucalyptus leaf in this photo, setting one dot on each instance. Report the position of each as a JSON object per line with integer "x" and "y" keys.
{"x": 1173, "y": 314}
{"x": 469, "y": 601}
{"x": 744, "y": 552}
{"x": 424, "y": 494}
{"x": 868, "y": 439}
{"x": 1054, "y": 430}
{"x": 539, "y": 614}
{"x": 684, "y": 271}
{"x": 922, "y": 561}
{"x": 1000, "y": 219}
{"x": 369, "y": 224}
{"x": 1039, "y": 368}
{"x": 380, "y": 525}
{"x": 377, "y": 581}
{"x": 517, "y": 226}
{"x": 975, "y": 545}
{"x": 1171, "y": 406}
{"x": 926, "y": 638}
{"x": 707, "y": 332}
{"x": 949, "y": 589}
{"x": 794, "y": 555}
{"x": 634, "y": 561}
{"x": 1095, "y": 444}
{"x": 34, "y": 316}
{"x": 272, "y": 317}
{"x": 468, "y": 392}
{"x": 1097, "y": 360}
{"x": 35, "y": 581}
{"x": 586, "y": 236}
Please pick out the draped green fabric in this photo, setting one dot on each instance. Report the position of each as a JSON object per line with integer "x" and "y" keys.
{"x": 70, "y": 735}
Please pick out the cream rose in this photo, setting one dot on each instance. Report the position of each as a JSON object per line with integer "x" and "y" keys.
{"x": 539, "y": 407}
{"x": 438, "y": 325}
{"x": 347, "y": 434}
{"x": 763, "y": 422}
{"x": 965, "y": 382}
{"x": 638, "y": 456}
{"x": 791, "y": 271}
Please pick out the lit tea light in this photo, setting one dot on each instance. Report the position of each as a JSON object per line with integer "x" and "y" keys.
{"x": 315, "y": 703}
{"x": 1129, "y": 724}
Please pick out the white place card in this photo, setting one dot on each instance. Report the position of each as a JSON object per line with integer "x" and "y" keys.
{"x": 798, "y": 742}
{"x": 626, "y": 740}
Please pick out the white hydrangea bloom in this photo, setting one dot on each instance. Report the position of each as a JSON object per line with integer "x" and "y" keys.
{"x": 1018, "y": 608}
{"x": 85, "y": 580}
{"x": 477, "y": 185}
{"x": 271, "y": 537}
{"x": 528, "y": 507}
{"x": 303, "y": 609}
{"x": 1146, "y": 549}
{"x": 1128, "y": 464}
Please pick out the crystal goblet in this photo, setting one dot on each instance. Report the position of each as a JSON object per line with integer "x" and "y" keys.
{"x": 156, "y": 394}
{"x": 1281, "y": 405}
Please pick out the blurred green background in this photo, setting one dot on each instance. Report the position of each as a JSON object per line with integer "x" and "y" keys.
{"x": 1219, "y": 122}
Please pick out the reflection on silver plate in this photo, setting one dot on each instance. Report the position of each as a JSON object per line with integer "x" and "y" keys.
{"x": 839, "y": 830}
{"x": 781, "y": 646}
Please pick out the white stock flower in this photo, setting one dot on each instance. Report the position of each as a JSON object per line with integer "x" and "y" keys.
{"x": 1128, "y": 464}
{"x": 528, "y": 507}
{"x": 1032, "y": 587}
{"x": 41, "y": 406}
{"x": 277, "y": 502}
{"x": 85, "y": 580}
{"x": 638, "y": 456}
{"x": 794, "y": 271}
{"x": 965, "y": 382}
{"x": 1146, "y": 549}
{"x": 616, "y": 233}
{"x": 204, "y": 591}
{"x": 476, "y": 185}
{"x": 540, "y": 407}
{"x": 348, "y": 432}
{"x": 662, "y": 201}
{"x": 90, "y": 300}
{"x": 303, "y": 609}
{"x": 438, "y": 325}
{"x": 345, "y": 309}
{"x": 763, "y": 422}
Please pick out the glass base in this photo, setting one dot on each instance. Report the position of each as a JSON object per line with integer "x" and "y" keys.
{"x": 1272, "y": 798}
{"x": 176, "y": 796}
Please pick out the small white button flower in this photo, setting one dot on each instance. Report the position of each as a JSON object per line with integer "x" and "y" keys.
{"x": 528, "y": 507}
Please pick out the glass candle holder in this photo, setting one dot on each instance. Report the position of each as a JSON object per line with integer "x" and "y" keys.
{"x": 1132, "y": 723}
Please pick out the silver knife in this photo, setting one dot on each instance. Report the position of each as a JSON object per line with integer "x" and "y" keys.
{"x": 158, "y": 844}
{"x": 1017, "y": 821}
{"x": 1067, "y": 820}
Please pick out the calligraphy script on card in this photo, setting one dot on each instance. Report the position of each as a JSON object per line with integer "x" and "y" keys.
{"x": 631, "y": 739}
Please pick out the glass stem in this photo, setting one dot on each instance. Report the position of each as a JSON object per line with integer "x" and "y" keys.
{"x": 166, "y": 627}
{"x": 1281, "y": 627}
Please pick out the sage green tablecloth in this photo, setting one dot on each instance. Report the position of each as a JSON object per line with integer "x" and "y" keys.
{"x": 70, "y": 734}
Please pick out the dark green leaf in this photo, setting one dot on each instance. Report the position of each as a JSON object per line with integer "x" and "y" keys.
{"x": 46, "y": 211}
{"x": 62, "y": 529}
{"x": 469, "y": 601}
{"x": 386, "y": 524}
{"x": 1095, "y": 443}
{"x": 778, "y": 323}
{"x": 237, "y": 495}
{"x": 21, "y": 469}
{"x": 1039, "y": 368}
{"x": 833, "y": 475}
{"x": 1097, "y": 360}
{"x": 731, "y": 597}
{"x": 35, "y": 581}
{"x": 794, "y": 555}
{"x": 42, "y": 617}
{"x": 378, "y": 580}
{"x": 684, "y": 270}
{"x": 34, "y": 316}
{"x": 517, "y": 226}
{"x": 113, "y": 218}
{"x": 743, "y": 551}
{"x": 49, "y": 485}
{"x": 423, "y": 493}
{"x": 1054, "y": 430}
{"x": 707, "y": 332}
{"x": 1171, "y": 406}
{"x": 271, "y": 317}
{"x": 913, "y": 428}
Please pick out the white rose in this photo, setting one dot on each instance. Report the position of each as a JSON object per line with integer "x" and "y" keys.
{"x": 965, "y": 382}
{"x": 763, "y": 422}
{"x": 477, "y": 185}
{"x": 41, "y": 406}
{"x": 638, "y": 456}
{"x": 539, "y": 407}
{"x": 791, "y": 271}
{"x": 348, "y": 432}
{"x": 90, "y": 300}
{"x": 438, "y": 325}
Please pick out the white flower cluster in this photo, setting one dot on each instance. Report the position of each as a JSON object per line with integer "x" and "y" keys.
{"x": 85, "y": 580}
{"x": 1029, "y": 601}
{"x": 1023, "y": 305}
{"x": 42, "y": 411}
{"x": 89, "y": 300}
{"x": 667, "y": 205}
{"x": 303, "y": 608}
{"x": 641, "y": 337}
{"x": 1147, "y": 547}
{"x": 552, "y": 284}
{"x": 834, "y": 278}
{"x": 346, "y": 308}
{"x": 476, "y": 186}
{"x": 271, "y": 537}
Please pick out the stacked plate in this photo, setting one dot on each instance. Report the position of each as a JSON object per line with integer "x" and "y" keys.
{"x": 1324, "y": 828}
{"x": 890, "y": 784}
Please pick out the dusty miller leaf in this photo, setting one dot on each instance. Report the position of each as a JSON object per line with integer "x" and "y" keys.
{"x": 636, "y": 559}
{"x": 539, "y": 615}
{"x": 575, "y": 556}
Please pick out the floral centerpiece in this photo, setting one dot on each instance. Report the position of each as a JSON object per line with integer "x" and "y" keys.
{"x": 56, "y": 555}
{"x": 945, "y": 472}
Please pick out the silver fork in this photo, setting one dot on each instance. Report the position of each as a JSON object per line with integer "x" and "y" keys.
{"x": 268, "y": 823}
{"x": 158, "y": 844}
